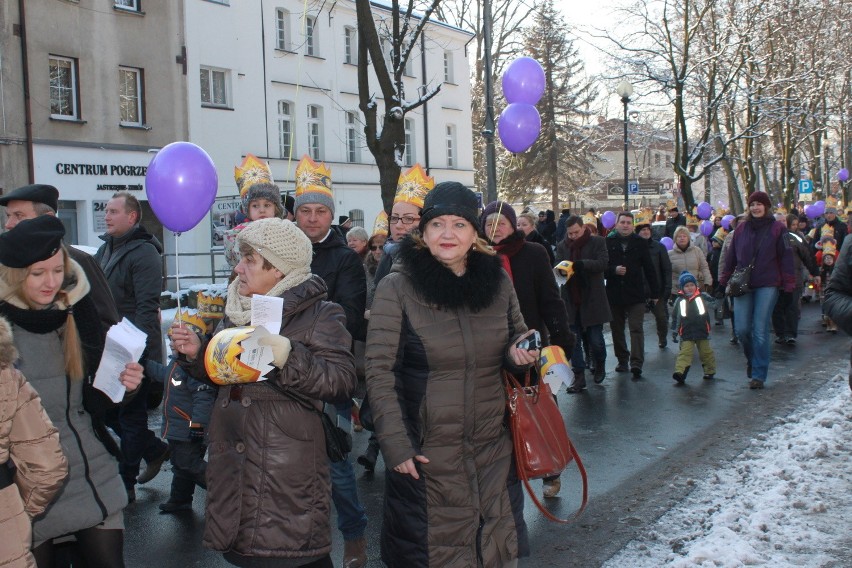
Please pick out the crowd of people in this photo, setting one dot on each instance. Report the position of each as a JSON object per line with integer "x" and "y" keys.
{"x": 425, "y": 310}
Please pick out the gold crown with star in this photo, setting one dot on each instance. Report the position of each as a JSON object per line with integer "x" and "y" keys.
{"x": 210, "y": 306}
{"x": 380, "y": 227}
{"x": 643, "y": 217}
{"x": 192, "y": 319}
{"x": 413, "y": 186}
{"x": 312, "y": 177}
{"x": 252, "y": 170}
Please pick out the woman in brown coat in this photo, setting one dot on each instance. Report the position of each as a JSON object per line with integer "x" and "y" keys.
{"x": 268, "y": 485}
{"x": 444, "y": 323}
{"x": 28, "y": 441}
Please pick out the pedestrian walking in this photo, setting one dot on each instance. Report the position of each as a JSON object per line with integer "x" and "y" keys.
{"x": 691, "y": 326}
{"x": 663, "y": 269}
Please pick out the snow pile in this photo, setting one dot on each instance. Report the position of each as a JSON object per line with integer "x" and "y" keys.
{"x": 782, "y": 502}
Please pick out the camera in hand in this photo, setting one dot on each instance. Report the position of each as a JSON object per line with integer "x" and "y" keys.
{"x": 530, "y": 343}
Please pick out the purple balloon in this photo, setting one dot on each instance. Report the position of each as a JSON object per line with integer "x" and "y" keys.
{"x": 519, "y": 126}
{"x": 608, "y": 219}
{"x": 843, "y": 175}
{"x": 810, "y": 213}
{"x": 704, "y": 210}
{"x": 523, "y": 81}
{"x": 667, "y": 242}
{"x": 726, "y": 221}
{"x": 181, "y": 184}
{"x": 706, "y": 228}
{"x": 819, "y": 208}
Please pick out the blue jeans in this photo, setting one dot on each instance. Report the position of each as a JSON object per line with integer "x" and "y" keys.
{"x": 594, "y": 336}
{"x": 351, "y": 518}
{"x": 754, "y": 313}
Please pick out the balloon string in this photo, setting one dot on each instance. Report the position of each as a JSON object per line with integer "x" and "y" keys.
{"x": 177, "y": 278}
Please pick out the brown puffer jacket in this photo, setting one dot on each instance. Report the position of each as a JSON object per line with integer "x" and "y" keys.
{"x": 435, "y": 348}
{"x": 268, "y": 485}
{"x": 28, "y": 441}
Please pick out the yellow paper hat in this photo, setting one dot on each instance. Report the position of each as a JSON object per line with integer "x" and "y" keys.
{"x": 589, "y": 219}
{"x": 643, "y": 217}
{"x": 782, "y": 210}
{"x": 413, "y": 186}
{"x": 691, "y": 219}
{"x": 211, "y": 305}
{"x": 222, "y": 358}
{"x": 252, "y": 170}
{"x": 192, "y": 319}
{"x": 313, "y": 184}
{"x": 380, "y": 227}
{"x": 829, "y": 247}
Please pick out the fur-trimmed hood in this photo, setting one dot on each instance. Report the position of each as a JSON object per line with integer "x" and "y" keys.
{"x": 8, "y": 353}
{"x": 438, "y": 285}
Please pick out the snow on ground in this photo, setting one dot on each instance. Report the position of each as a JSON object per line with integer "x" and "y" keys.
{"x": 785, "y": 501}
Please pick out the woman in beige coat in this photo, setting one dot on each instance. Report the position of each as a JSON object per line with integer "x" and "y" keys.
{"x": 686, "y": 256}
{"x": 28, "y": 441}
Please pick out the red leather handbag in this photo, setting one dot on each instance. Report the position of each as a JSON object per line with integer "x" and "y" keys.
{"x": 541, "y": 444}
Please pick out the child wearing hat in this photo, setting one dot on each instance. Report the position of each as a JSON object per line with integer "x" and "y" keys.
{"x": 691, "y": 325}
{"x": 825, "y": 259}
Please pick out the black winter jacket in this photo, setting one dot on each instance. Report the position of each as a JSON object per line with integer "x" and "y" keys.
{"x": 343, "y": 272}
{"x": 691, "y": 316}
{"x": 662, "y": 268}
{"x": 630, "y": 288}
{"x": 185, "y": 399}
{"x": 838, "y": 293}
{"x": 133, "y": 268}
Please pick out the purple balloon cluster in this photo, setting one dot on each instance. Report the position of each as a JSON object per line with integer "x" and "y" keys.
{"x": 667, "y": 242}
{"x": 181, "y": 183}
{"x": 523, "y": 85}
{"x": 726, "y": 221}
{"x": 843, "y": 175}
{"x": 706, "y": 228}
{"x": 608, "y": 220}
{"x": 814, "y": 210}
{"x": 704, "y": 210}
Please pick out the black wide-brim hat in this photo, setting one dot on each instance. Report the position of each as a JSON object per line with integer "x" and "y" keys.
{"x": 38, "y": 193}
{"x": 31, "y": 241}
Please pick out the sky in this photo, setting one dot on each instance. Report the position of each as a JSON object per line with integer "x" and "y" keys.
{"x": 782, "y": 502}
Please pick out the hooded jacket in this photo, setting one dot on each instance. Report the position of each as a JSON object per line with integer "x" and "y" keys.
{"x": 133, "y": 267}
{"x": 435, "y": 349}
{"x": 30, "y": 442}
{"x": 268, "y": 484}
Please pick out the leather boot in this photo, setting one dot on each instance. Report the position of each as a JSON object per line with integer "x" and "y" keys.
{"x": 579, "y": 382}
{"x": 369, "y": 457}
{"x": 355, "y": 553}
{"x": 600, "y": 372}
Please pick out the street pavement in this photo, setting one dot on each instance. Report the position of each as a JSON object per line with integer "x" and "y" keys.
{"x": 642, "y": 442}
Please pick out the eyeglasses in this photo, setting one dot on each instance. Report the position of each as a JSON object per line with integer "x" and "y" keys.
{"x": 405, "y": 220}
{"x": 375, "y": 247}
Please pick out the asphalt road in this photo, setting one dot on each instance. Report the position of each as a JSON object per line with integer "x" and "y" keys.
{"x": 642, "y": 443}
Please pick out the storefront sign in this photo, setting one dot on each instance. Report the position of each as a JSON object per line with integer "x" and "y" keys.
{"x": 99, "y": 216}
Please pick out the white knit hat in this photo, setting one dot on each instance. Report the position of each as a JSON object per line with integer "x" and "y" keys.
{"x": 280, "y": 242}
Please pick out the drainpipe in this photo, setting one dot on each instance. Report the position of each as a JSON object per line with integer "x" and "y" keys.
{"x": 28, "y": 119}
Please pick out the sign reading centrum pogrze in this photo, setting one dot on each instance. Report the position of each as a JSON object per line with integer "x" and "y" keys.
{"x": 100, "y": 170}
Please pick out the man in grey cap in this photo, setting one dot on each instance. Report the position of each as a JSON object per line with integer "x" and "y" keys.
{"x": 31, "y": 201}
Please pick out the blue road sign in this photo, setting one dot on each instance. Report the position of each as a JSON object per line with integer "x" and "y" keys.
{"x": 633, "y": 188}
{"x": 806, "y": 186}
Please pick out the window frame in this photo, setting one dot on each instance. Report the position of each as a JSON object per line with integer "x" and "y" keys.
{"x": 282, "y": 28}
{"x": 134, "y": 7}
{"x": 140, "y": 96}
{"x": 226, "y": 88}
{"x": 311, "y": 38}
{"x": 409, "y": 154}
{"x": 350, "y": 45}
{"x": 283, "y": 119}
{"x": 353, "y": 145}
{"x": 451, "y": 146}
{"x": 449, "y": 76}
{"x": 314, "y": 124}
{"x": 73, "y": 88}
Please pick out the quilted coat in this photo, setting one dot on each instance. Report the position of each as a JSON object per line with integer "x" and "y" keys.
{"x": 436, "y": 345}
{"x": 29, "y": 441}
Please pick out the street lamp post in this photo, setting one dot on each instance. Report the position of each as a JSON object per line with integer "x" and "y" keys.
{"x": 625, "y": 90}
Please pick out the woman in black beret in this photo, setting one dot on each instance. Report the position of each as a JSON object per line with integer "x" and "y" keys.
{"x": 45, "y": 296}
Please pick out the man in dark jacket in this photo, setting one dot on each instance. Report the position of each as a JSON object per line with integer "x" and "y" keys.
{"x": 832, "y": 226}
{"x": 343, "y": 273}
{"x": 838, "y": 293}
{"x": 29, "y": 202}
{"x": 785, "y": 316}
{"x": 663, "y": 270}
{"x": 561, "y": 227}
{"x": 130, "y": 259}
{"x": 585, "y": 295}
{"x": 629, "y": 268}
{"x": 674, "y": 221}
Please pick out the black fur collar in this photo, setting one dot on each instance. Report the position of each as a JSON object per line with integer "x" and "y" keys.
{"x": 438, "y": 285}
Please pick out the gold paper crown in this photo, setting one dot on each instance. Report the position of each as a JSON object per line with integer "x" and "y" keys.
{"x": 691, "y": 219}
{"x": 312, "y": 177}
{"x": 211, "y": 305}
{"x": 721, "y": 212}
{"x": 670, "y": 203}
{"x": 828, "y": 247}
{"x": 643, "y": 217}
{"x": 826, "y": 231}
{"x": 589, "y": 219}
{"x": 413, "y": 186}
{"x": 782, "y": 210}
{"x": 380, "y": 227}
{"x": 191, "y": 318}
{"x": 251, "y": 171}
{"x": 832, "y": 201}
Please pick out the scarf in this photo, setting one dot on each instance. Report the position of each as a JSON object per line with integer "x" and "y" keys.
{"x": 509, "y": 247}
{"x": 238, "y": 307}
{"x": 575, "y": 248}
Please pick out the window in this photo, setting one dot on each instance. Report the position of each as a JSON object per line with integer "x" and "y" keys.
{"x": 451, "y": 146}
{"x": 282, "y": 26}
{"x": 311, "y": 39}
{"x": 63, "y": 88}
{"x": 314, "y": 130}
{"x": 285, "y": 129}
{"x": 448, "y": 67}
{"x": 130, "y": 5}
{"x": 353, "y": 143}
{"x": 357, "y": 217}
{"x": 350, "y": 45}
{"x": 130, "y": 96}
{"x": 409, "y": 65}
{"x": 657, "y": 160}
{"x": 408, "y": 155}
{"x": 214, "y": 87}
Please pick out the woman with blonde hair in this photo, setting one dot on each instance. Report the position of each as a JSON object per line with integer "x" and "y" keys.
{"x": 45, "y": 296}
{"x": 685, "y": 256}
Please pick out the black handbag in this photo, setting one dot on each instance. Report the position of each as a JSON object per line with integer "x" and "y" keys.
{"x": 338, "y": 442}
{"x": 738, "y": 283}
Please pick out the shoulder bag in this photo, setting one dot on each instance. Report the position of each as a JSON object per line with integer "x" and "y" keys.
{"x": 738, "y": 283}
{"x": 338, "y": 442}
{"x": 540, "y": 442}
